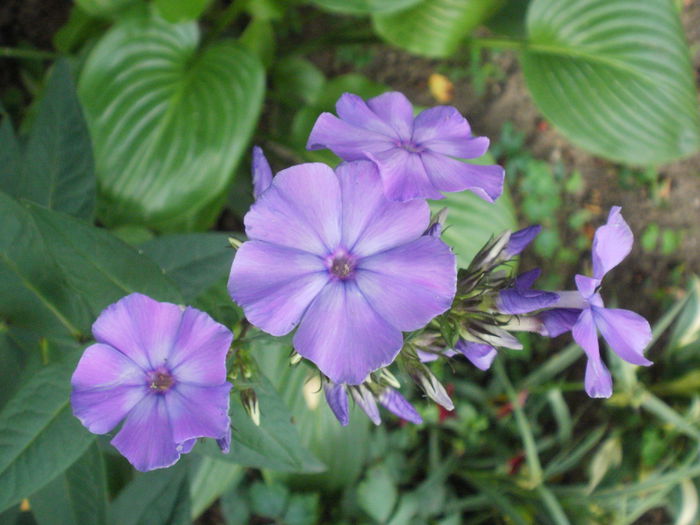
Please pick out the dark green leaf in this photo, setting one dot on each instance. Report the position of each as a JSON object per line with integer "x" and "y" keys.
{"x": 614, "y": 77}
{"x": 39, "y": 436}
{"x": 362, "y": 7}
{"x": 377, "y": 494}
{"x": 169, "y": 121}
{"x": 160, "y": 497}
{"x": 268, "y": 500}
{"x": 259, "y": 39}
{"x": 434, "y": 27}
{"x": 296, "y": 80}
{"x": 9, "y": 157}
{"x": 78, "y": 496}
{"x": 194, "y": 261}
{"x": 181, "y": 10}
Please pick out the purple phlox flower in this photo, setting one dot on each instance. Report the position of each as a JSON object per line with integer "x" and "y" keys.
{"x": 417, "y": 157}
{"x": 519, "y": 240}
{"x": 437, "y": 223}
{"x": 389, "y": 398}
{"x": 398, "y": 405}
{"x": 262, "y": 173}
{"x": 481, "y": 355}
{"x": 522, "y": 299}
{"x": 329, "y": 252}
{"x": 160, "y": 368}
{"x": 627, "y": 332}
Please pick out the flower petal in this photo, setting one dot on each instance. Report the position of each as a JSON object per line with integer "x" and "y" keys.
{"x": 199, "y": 352}
{"x": 558, "y": 320}
{"x": 364, "y": 398}
{"x": 337, "y": 399}
{"x": 394, "y": 109}
{"x": 274, "y": 285}
{"x": 480, "y": 355}
{"x": 520, "y": 240}
{"x": 370, "y": 222}
{"x": 403, "y": 175}
{"x": 146, "y": 438}
{"x": 100, "y": 410}
{"x": 197, "y": 411}
{"x": 598, "y": 381}
{"x": 409, "y": 285}
{"x": 586, "y": 285}
{"x": 262, "y": 173}
{"x": 627, "y": 333}
{"x": 343, "y": 335}
{"x": 448, "y": 174}
{"x": 140, "y": 327}
{"x": 101, "y": 366}
{"x": 354, "y": 110}
{"x": 398, "y": 405}
{"x": 522, "y": 299}
{"x": 345, "y": 140}
{"x": 611, "y": 244}
{"x": 300, "y": 210}
{"x": 444, "y": 130}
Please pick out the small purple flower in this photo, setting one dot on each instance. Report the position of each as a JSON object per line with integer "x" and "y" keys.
{"x": 329, "y": 252}
{"x": 417, "y": 157}
{"x": 522, "y": 299}
{"x": 520, "y": 240}
{"x": 262, "y": 173}
{"x": 627, "y": 332}
{"x": 161, "y": 369}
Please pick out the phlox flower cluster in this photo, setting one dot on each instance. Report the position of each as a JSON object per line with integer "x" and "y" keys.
{"x": 349, "y": 259}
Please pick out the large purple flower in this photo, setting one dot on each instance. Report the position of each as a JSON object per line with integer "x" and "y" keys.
{"x": 160, "y": 368}
{"x": 627, "y": 332}
{"x": 416, "y": 157}
{"x": 329, "y": 252}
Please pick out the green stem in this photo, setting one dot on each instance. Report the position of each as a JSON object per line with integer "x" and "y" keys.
{"x": 33, "y": 54}
{"x": 498, "y": 43}
{"x": 533, "y": 460}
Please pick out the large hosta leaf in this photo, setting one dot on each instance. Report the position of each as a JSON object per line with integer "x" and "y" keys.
{"x": 361, "y": 7}
{"x": 434, "y": 27}
{"x": 614, "y": 77}
{"x": 169, "y": 121}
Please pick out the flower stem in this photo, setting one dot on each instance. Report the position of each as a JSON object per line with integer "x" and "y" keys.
{"x": 32, "y": 54}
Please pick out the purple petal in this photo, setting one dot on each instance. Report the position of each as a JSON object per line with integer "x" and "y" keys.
{"x": 353, "y": 110}
{"x": 428, "y": 357}
{"x": 187, "y": 446}
{"x": 444, "y": 130}
{"x": 522, "y": 299}
{"x": 197, "y": 411}
{"x": 106, "y": 386}
{"x": 611, "y": 243}
{"x": 224, "y": 443}
{"x": 586, "y": 285}
{"x": 480, "y": 355}
{"x": 598, "y": 381}
{"x": 262, "y": 173}
{"x": 345, "y": 336}
{"x": 300, "y": 210}
{"x": 370, "y": 222}
{"x": 139, "y": 327}
{"x": 524, "y": 281}
{"x": 519, "y": 240}
{"x": 410, "y": 284}
{"x": 395, "y": 403}
{"x": 274, "y": 285}
{"x": 403, "y": 175}
{"x": 146, "y": 438}
{"x": 448, "y": 174}
{"x": 199, "y": 352}
{"x": 364, "y": 398}
{"x": 394, "y": 109}
{"x": 345, "y": 140}
{"x": 337, "y": 399}
{"x": 627, "y": 333}
{"x": 558, "y": 320}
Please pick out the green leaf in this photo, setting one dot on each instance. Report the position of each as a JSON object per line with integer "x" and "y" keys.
{"x": 377, "y": 494}
{"x": 39, "y": 436}
{"x": 259, "y": 39}
{"x": 608, "y": 93}
{"x": 686, "y": 331}
{"x": 160, "y": 497}
{"x": 181, "y": 10}
{"x": 297, "y": 80}
{"x": 268, "y": 500}
{"x": 275, "y": 444}
{"x": 79, "y": 495}
{"x": 169, "y": 121}
{"x": 363, "y": 7}
{"x": 104, "y": 8}
{"x": 434, "y": 28}
{"x": 471, "y": 221}
{"x": 55, "y": 168}
{"x": 194, "y": 261}
{"x": 58, "y": 273}
{"x": 209, "y": 479}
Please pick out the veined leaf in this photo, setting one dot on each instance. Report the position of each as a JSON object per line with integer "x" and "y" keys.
{"x": 363, "y": 7}
{"x": 434, "y": 28}
{"x": 614, "y": 77}
{"x": 169, "y": 121}
{"x": 39, "y": 436}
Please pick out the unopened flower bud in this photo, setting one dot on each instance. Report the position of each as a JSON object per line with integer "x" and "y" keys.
{"x": 388, "y": 378}
{"x": 295, "y": 359}
{"x": 365, "y": 399}
{"x": 425, "y": 379}
{"x": 250, "y": 403}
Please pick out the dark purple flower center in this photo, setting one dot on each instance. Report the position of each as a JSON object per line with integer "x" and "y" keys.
{"x": 410, "y": 146}
{"x": 341, "y": 265}
{"x": 160, "y": 380}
